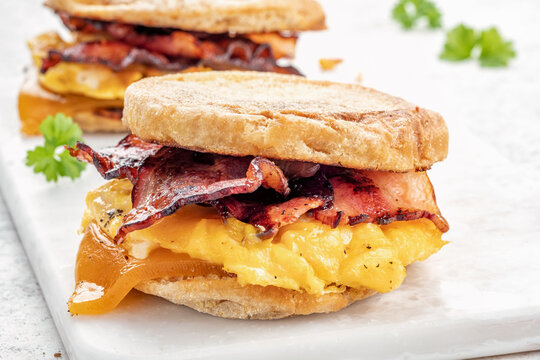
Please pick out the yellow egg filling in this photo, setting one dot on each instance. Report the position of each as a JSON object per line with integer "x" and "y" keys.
{"x": 306, "y": 255}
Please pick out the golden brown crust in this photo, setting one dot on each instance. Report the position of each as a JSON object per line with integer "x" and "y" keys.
{"x": 286, "y": 117}
{"x": 225, "y": 297}
{"x": 221, "y": 16}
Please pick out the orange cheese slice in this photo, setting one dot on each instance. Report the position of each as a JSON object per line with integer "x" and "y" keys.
{"x": 105, "y": 274}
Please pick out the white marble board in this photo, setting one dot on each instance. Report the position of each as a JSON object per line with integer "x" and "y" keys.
{"x": 479, "y": 296}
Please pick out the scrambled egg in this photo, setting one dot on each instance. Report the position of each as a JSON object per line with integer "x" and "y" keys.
{"x": 95, "y": 81}
{"x": 306, "y": 255}
{"x": 92, "y": 80}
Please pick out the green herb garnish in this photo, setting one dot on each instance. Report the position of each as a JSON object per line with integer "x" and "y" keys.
{"x": 52, "y": 159}
{"x": 495, "y": 51}
{"x": 409, "y": 12}
{"x": 460, "y": 42}
{"x": 463, "y": 42}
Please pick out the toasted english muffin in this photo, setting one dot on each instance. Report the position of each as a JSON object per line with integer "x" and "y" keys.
{"x": 248, "y": 16}
{"x": 225, "y": 297}
{"x": 330, "y": 238}
{"x": 286, "y": 117}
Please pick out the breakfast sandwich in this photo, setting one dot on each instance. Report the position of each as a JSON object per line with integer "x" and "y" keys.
{"x": 113, "y": 43}
{"x": 259, "y": 195}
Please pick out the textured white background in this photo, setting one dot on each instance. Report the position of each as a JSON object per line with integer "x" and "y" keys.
{"x": 501, "y": 106}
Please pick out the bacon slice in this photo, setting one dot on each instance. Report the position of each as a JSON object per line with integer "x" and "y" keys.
{"x": 242, "y": 56}
{"x": 165, "y": 41}
{"x": 166, "y": 178}
{"x": 117, "y": 162}
{"x": 165, "y": 49}
{"x": 113, "y": 54}
{"x": 269, "y": 213}
{"x": 174, "y": 178}
{"x": 380, "y": 197}
{"x": 176, "y": 42}
{"x": 118, "y": 55}
{"x": 255, "y": 190}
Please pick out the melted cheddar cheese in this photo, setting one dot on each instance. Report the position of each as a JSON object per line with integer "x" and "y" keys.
{"x": 105, "y": 274}
{"x": 306, "y": 255}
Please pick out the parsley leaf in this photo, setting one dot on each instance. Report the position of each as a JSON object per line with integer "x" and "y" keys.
{"x": 409, "y": 12}
{"x": 60, "y": 130}
{"x": 460, "y": 42}
{"x": 495, "y": 51}
{"x": 49, "y": 159}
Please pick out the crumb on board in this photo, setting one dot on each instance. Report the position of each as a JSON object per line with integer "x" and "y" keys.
{"x": 329, "y": 64}
{"x": 359, "y": 78}
{"x": 58, "y": 354}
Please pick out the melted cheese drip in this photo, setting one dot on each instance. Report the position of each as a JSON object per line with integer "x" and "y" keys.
{"x": 104, "y": 273}
{"x": 306, "y": 255}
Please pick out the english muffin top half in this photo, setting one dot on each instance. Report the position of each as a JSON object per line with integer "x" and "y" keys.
{"x": 286, "y": 117}
{"x": 247, "y": 16}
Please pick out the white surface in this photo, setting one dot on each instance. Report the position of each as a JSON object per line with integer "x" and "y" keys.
{"x": 27, "y": 330}
{"x": 478, "y": 296}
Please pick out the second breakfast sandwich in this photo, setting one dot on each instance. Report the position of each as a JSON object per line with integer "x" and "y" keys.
{"x": 116, "y": 42}
{"x": 258, "y": 195}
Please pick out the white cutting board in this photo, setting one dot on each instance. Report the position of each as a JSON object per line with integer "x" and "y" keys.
{"x": 479, "y": 296}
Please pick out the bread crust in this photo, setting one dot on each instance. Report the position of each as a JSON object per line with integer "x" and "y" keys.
{"x": 211, "y": 16}
{"x": 225, "y": 297}
{"x": 286, "y": 117}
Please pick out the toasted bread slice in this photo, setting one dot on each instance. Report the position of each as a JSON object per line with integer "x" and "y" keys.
{"x": 222, "y": 16}
{"x": 286, "y": 117}
{"x": 225, "y": 297}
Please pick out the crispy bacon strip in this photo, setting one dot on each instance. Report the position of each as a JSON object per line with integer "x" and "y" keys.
{"x": 165, "y": 41}
{"x": 267, "y": 218}
{"x": 174, "y": 178}
{"x": 241, "y": 56}
{"x": 380, "y": 197}
{"x": 269, "y": 213}
{"x": 117, "y": 162}
{"x": 165, "y": 49}
{"x": 255, "y": 190}
{"x": 166, "y": 178}
{"x": 174, "y": 42}
{"x": 118, "y": 55}
{"x": 113, "y": 54}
